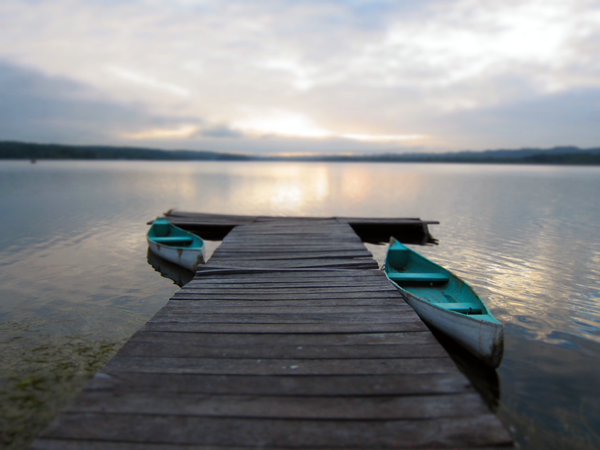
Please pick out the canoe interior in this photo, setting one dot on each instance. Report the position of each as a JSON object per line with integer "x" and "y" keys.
{"x": 165, "y": 233}
{"x": 432, "y": 283}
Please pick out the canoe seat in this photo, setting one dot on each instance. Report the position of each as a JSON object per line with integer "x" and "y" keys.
{"x": 419, "y": 277}
{"x": 463, "y": 308}
{"x": 161, "y": 227}
{"x": 173, "y": 240}
{"x": 397, "y": 255}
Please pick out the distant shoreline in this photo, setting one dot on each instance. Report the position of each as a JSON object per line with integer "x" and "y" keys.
{"x": 10, "y": 150}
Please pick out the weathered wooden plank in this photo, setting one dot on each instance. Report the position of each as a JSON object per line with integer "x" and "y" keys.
{"x": 287, "y": 225}
{"x": 307, "y": 289}
{"x": 303, "y": 244}
{"x": 240, "y": 351}
{"x": 290, "y": 256}
{"x": 409, "y": 220}
{"x": 260, "y": 278}
{"x": 354, "y": 408}
{"x": 258, "y": 290}
{"x": 86, "y": 444}
{"x": 267, "y": 245}
{"x": 264, "y": 282}
{"x": 283, "y": 274}
{"x": 61, "y": 444}
{"x": 260, "y": 340}
{"x": 227, "y": 275}
{"x": 295, "y": 238}
{"x": 250, "y": 309}
{"x": 285, "y": 236}
{"x": 195, "y": 300}
{"x": 290, "y": 225}
{"x": 151, "y": 364}
{"x": 300, "y": 246}
{"x": 278, "y": 249}
{"x": 198, "y": 308}
{"x": 285, "y": 385}
{"x": 291, "y": 261}
{"x": 274, "y": 240}
{"x": 305, "y": 263}
{"x": 273, "y": 288}
{"x": 295, "y": 296}
{"x": 300, "y": 328}
{"x": 206, "y": 272}
{"x": 456, "y": 432}
{"x": 335, "y": 232}
{"x": 302, "y": 228}
{"x": 304, "y": 254}
{"x": 283, "y": 240}
{"x": 206, "y": 216}
{"x": 267, "y": 221}
{"x": 266, "y": 318}
{"x": 267, "y": 283}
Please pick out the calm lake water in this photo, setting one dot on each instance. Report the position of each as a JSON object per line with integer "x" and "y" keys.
{"x": 75, "y": 281}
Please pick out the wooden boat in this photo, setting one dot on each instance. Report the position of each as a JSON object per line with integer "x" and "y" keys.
{"x": 445, "y": 302}
{"x": 176, "y": 245}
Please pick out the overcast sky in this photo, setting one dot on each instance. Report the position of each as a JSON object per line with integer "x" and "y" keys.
{"x": 301, "y": 76}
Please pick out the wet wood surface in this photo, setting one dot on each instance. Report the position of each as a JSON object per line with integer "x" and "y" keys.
{"x": 288, "y": 338}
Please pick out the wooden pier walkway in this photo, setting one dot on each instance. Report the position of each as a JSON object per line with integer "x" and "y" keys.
{"x": 217, "y": 226}
{"x": 289, "y": 338}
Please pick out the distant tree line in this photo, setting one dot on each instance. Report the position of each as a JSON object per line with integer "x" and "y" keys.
{"x": 556, "y": 155}
{"x": 23, "y": 150}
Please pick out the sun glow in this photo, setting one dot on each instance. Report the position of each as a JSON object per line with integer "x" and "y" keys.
{"x": 299, "y": 126}
{"x": 183, "y": 131}
{"x": 383, "y": 137}
{"x": 292, "y": 125}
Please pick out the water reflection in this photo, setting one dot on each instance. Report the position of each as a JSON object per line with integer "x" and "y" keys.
{"x": 484, "y": 379}
{"x": 284, "y": 189}
{"x": 177, "y": 274}
{"x": 73, "y": 254}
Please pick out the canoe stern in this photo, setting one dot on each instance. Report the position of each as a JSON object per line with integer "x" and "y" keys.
{"x": 484, "y": 339}
{"x": 189, "y": 259}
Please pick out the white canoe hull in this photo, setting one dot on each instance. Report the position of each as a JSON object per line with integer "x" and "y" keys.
{"x": 483, "y": 339}
{"x": 187, "y": 258}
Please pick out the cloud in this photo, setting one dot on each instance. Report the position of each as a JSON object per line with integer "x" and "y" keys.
{"x": 38, "y": 107}
{"x": 211, "y": 73}
{"x": 562, "y": 118}
{"x": 144, "y": 80}
{"x": 222, "y": 131}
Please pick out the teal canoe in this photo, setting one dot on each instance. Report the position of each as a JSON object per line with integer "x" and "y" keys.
{"x": 445, "y": 302}
{"x": 176, "y": 245}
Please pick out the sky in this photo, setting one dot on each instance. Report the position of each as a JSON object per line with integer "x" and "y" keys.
{"x": 329, "y": 76}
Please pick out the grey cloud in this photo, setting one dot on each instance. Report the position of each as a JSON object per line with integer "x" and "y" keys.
{"x": 38, "y": 107}
{"x": 569, "y": 117}
{"x": 221, "y": 131}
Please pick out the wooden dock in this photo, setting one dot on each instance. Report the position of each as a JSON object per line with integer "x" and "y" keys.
{"x": 375, "y": 230}
{"x": 289, "y": 338}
